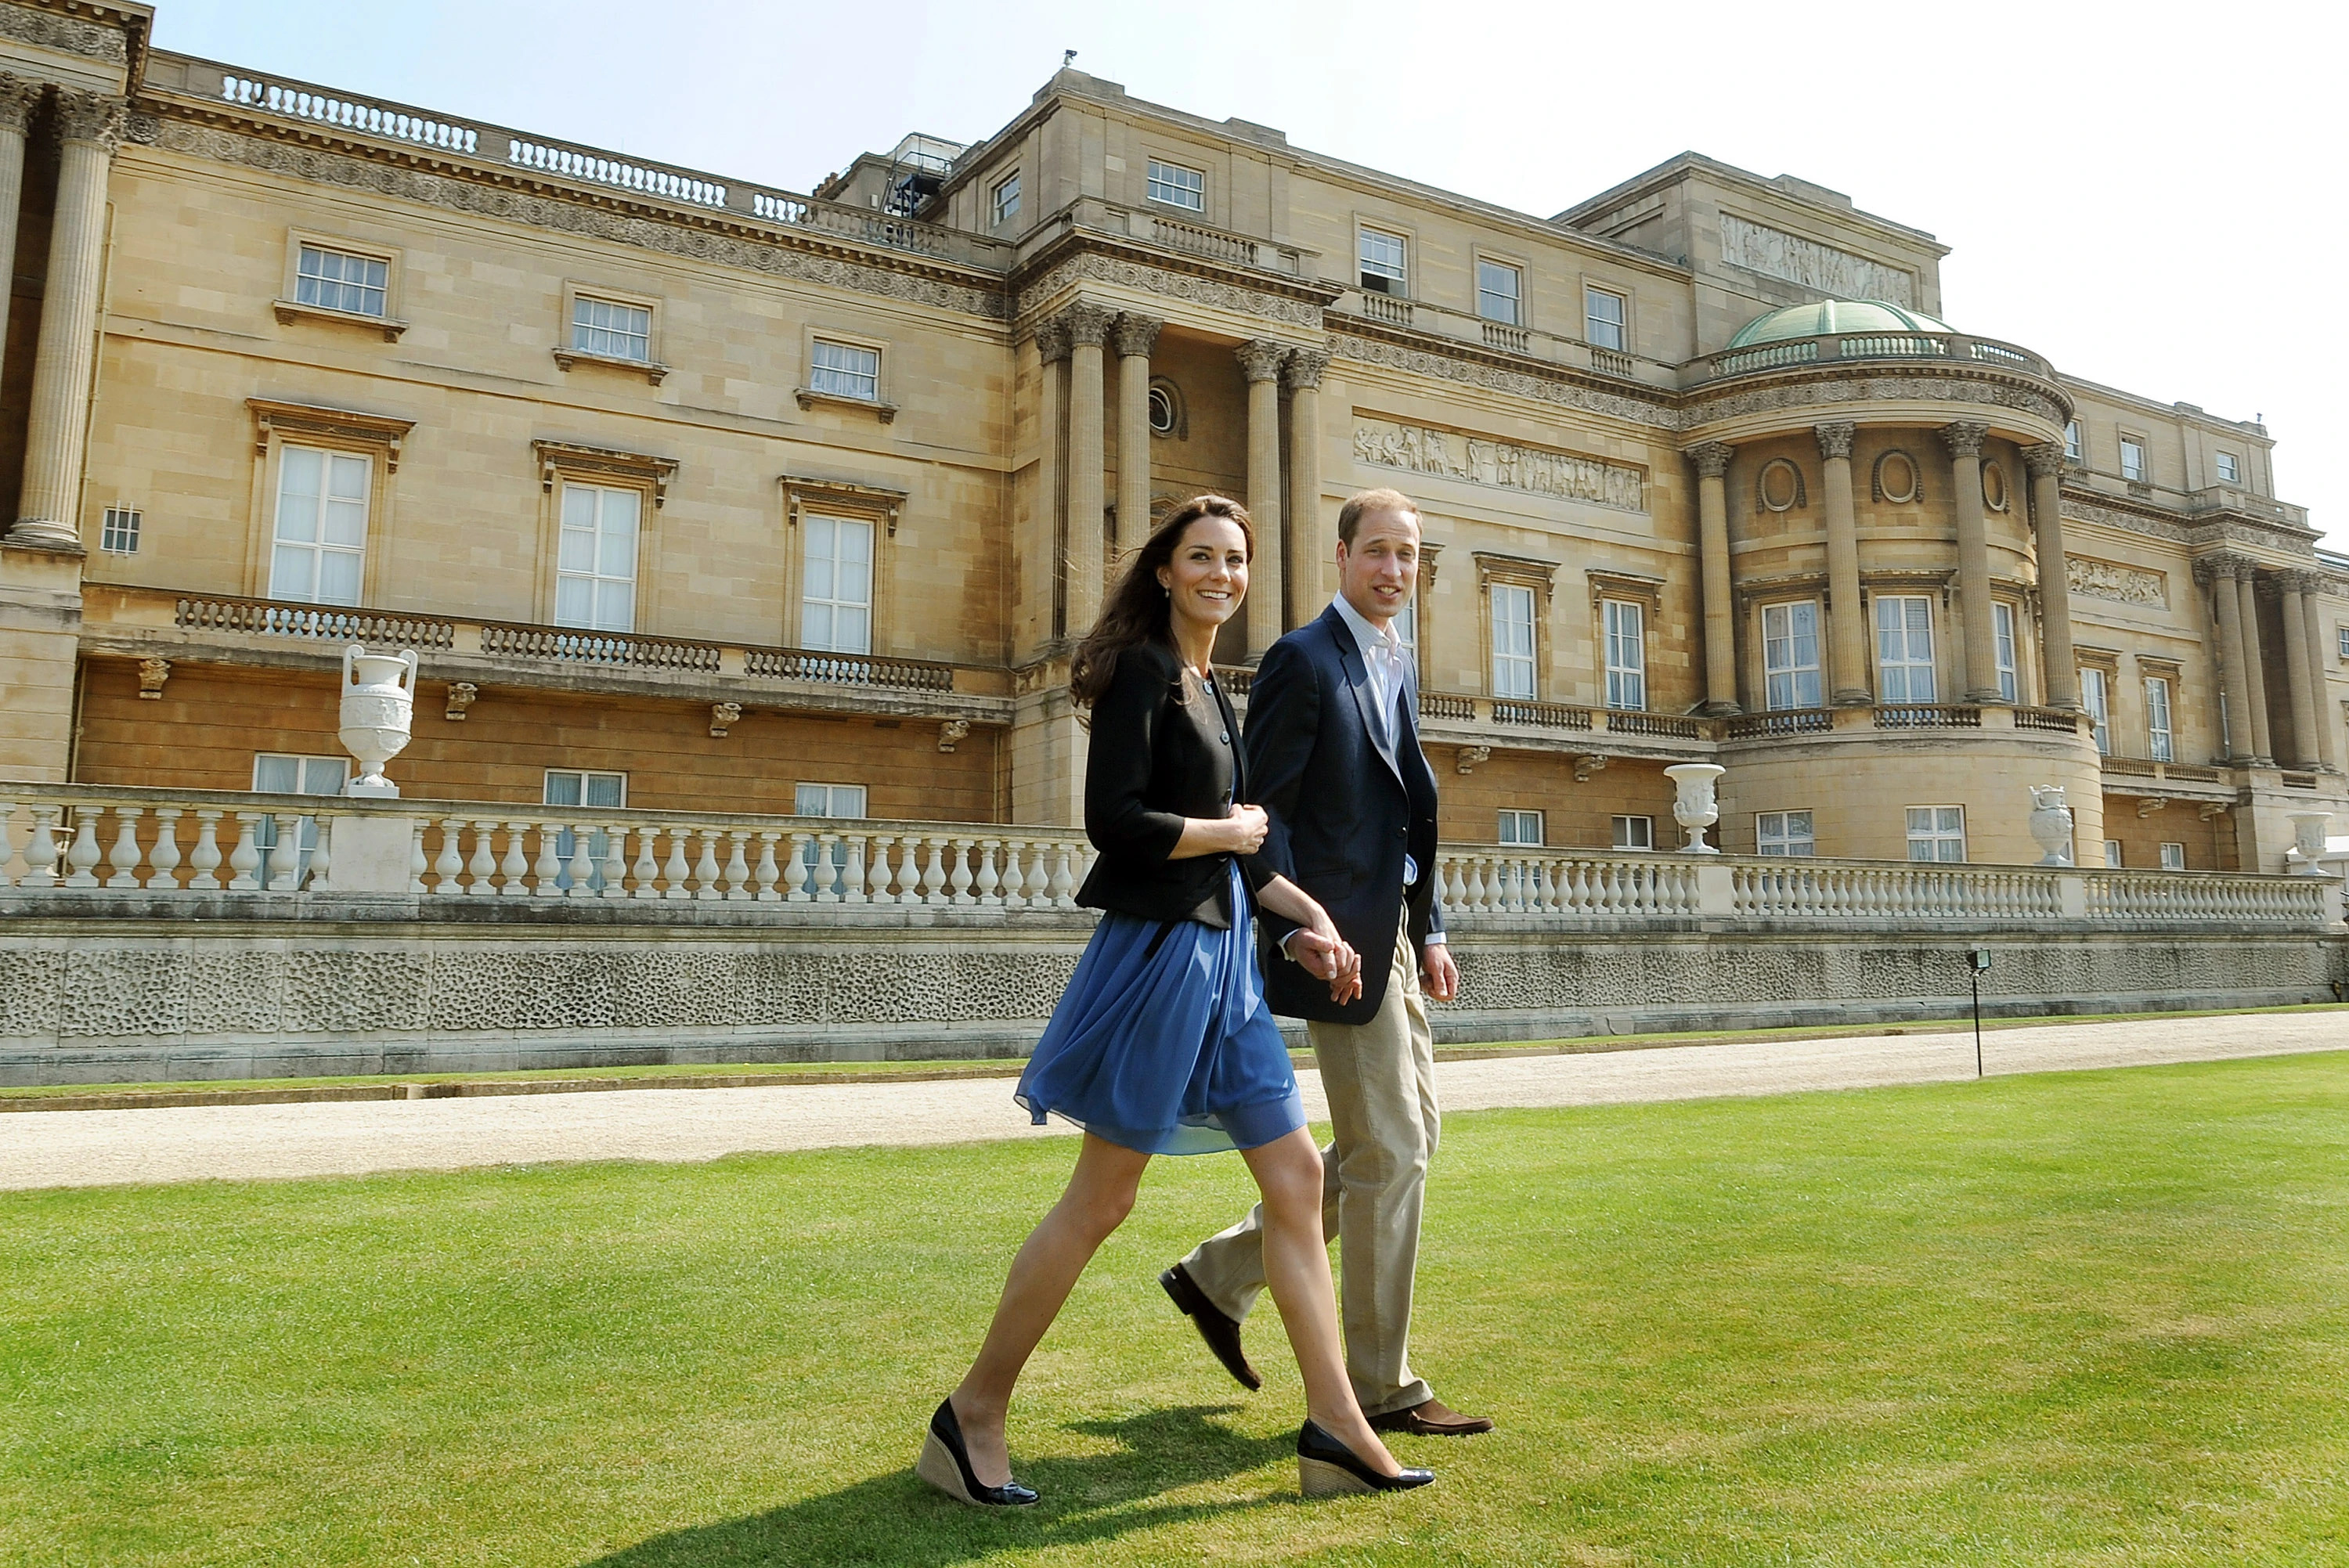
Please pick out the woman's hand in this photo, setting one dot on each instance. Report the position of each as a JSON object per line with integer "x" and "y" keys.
{"x": 1240, "y": 833}
{"x": 1247, "y": 826}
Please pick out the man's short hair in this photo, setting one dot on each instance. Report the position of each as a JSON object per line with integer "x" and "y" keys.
{"x": 1361, "y": 503}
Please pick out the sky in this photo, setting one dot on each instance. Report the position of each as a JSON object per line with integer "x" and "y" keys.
{"x": 2151, "y": 197}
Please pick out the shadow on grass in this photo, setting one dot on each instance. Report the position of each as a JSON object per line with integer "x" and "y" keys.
{"x": 897, "y": 1519}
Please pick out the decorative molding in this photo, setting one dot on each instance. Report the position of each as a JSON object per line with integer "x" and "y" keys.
{"x": 1556, "y": 390}
{"x": 2075, "y": 510}
{"x": 1586, "y": 764}
{"x": 291, "y": 311}
{"x": 1094, "y": 267}
{"x": 809, "y": 397}
{"x": 652, "y": 370}
{"x": 152, "y": 673}
{"x": 462, "y": 695}
{"x": 1470, "y": 756}
{"x": 1839, "y": 274}
{"x": 1503, "y": 465}
{"x": 724, "y": 717}
{"x": 565, "y": 457}
{"x": 1998, "y": 491}
{"x": 384, "y": 430}
{"x": 876, "y": 501}
{"x": 953, "y": 733}
{"x": 1797, "y": 495}
{"x": 1610, "y": 585}
{"x": 1878, "y": 488}
{"x": 68, "y": 35}
{"x": 1984, "y": 386}
{"x": 2095, "y": 579}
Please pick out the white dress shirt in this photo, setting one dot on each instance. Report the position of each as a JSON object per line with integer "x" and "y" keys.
{"x": 1383, "y": 658}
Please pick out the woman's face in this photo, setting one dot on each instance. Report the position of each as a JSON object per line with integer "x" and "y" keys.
{"x": 1208, "y": 576}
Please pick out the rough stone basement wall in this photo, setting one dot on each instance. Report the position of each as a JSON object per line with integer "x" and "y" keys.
{"x": 131, "y": 989}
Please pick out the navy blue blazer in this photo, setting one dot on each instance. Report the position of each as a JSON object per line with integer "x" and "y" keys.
{"x": 1344, "y": 811}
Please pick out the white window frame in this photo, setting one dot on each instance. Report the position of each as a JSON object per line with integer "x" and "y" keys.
{"x": 118, "y": 529}
{"x": 1787, "y": 682}
{"x": 1597, "y": 328}
{"x": 2340, "y": 635}
{"x": 593, "y": 576}
{"x": 1163, "y": 185}
{"x": 2173, "y": 857}
{"x": 1624, "y": 630}
{"x": 2231, "y": 468}
{"x": 1515, "y": 824}
{"x": 1516, "y": 673}
{"x": 368, "y": 294}
{"x": 2133, "y": 472}
{"x": 1941, "y": 829}
{"x": 844, "y": 800}
{"x": 820, "y": 538}
{"x": 599, "y": 328}
{"x": 845, "y": 377}
{"x": 2160, "y": 732}
{"x": 1899, "y": 672}
{"x": 2113, "y": 854}
{"x": 1628, "y": 833}
{"x": 1508, "y": 307}
{"x": 2002, "y": 642}
{"x": 1791, "y": 833}
{"x": 322, "y": 776}
{"x": 577, "y": 782}
{"x": 1003, "y": 200}
{"x": 2097, "y": 697}
{"x": 314, "y": 550}
{"x": 2073, "y": 448}
{"x": 1395, "y": 276}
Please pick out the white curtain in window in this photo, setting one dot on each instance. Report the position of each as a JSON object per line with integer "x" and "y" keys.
{"x": 321, "y": 531}
{"x": 1513, "y": 640}
{"x": 1627, "y": 654}
{"x": 596, "y": 576}
{"x": 1904, "y": 649}
{"x": 837, "y": 593}
{"x": 1790, "y": 655}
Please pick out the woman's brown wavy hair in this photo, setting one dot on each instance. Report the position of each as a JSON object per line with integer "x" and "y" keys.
{"x": 1136, "y": 611}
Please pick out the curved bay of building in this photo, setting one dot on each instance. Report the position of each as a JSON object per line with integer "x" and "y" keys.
{"x": 695, "y": 494}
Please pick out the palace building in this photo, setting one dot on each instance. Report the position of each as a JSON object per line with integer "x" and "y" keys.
{"x": 696, "y": 494}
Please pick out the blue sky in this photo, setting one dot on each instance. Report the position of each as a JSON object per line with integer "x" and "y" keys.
{"x": 2153, "y": 198}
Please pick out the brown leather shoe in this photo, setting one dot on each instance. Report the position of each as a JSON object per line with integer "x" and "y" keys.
{"x": 1222, "y": 1335}
{"x": 1430, "y": 1419}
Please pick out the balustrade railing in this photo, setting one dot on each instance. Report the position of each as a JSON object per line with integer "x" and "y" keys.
{"x": 1541, "y": 715}
{"x": 2062, "y": 721}
{"x": 1387, "y": 308}
{"x": 1926, "y": 716}
{"x": 1831, "y": 347}
{"x": 1627, "y": 721}
{"x": 2205, "y": 896}
{"x": 1780, "y": 721}
{"x": 1537, "y": 882}
{"x": 1797, "y": 888}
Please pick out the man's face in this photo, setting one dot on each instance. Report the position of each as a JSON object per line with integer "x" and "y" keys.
{"x": 1379, "y": 571}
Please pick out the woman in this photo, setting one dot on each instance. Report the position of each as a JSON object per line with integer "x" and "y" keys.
{"x": 1162, "y": 1044}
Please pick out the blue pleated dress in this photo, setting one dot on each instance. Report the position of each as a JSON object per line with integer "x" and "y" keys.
{"x": 1163, "y": 1043}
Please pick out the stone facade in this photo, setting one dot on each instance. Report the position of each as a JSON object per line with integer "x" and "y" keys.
{"x": 985, "y": 378}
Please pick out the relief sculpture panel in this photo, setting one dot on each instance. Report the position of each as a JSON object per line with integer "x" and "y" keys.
{"x": 2110, "y": 580}
{"x": 1415, "y": 448}
{"x": 1775, "y": 253}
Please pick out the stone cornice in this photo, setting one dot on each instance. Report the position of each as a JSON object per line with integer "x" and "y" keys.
{"x": 74, "y": 35}
{"x": 1084, "y": 257}
{"x": 2150, "y": 522}
{"x": 1367, "y": 343}
{"x": 1770, "y": 391}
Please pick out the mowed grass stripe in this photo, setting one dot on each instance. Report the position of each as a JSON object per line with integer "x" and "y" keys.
{"x": 2078, "y": 1318}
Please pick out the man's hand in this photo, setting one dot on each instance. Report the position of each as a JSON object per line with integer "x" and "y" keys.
{"x": 1438, "y": 975}
{"x": 1329, "y": 958}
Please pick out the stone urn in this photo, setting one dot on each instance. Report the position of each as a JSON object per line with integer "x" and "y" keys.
{"x": 1696, "y": 808}
{"x": 378, "y": 708}
{"x": 2307, "y": 842}
{"x": 2051, "y": 824}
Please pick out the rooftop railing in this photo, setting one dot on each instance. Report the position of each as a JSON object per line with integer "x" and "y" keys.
{"x": 1946, "y": 347}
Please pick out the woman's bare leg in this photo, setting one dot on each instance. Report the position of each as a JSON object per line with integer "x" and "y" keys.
{"x": 1297, "y": 1268}
{"x": 1099, "y": 1196}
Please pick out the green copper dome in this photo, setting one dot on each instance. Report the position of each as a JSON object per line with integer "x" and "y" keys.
{"x": 1834, "y": 315}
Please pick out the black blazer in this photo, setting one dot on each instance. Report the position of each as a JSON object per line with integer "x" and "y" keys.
{"x": 1344, "y": 811}
{"x": 1164, "y": 746}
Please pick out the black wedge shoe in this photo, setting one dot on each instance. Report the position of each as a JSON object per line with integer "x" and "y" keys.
{"x": 1328, "y": 1468}
{"x": 946, "y": 1464}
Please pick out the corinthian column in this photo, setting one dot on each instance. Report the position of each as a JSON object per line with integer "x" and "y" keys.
{"x": 2255, "y": 664}
{"x": 2313, "y": 631}
{"x": 1964, "y": 441}
{"x": 90, "y": 124}
{"x": 1136, "y": 336}
{"x": 1307, "y": 549}
{"x": 2217, "y": 573}
{"x": 1846, "y": 631}
{"x": 2293, "y": 586}
{"x": 1088, "y": 328}
{"x": 18, "y": 98}
{"x": 1051, "y": 533}
{"x": 1711, "y": 461}
{"x": 1260, "y": 359}
{"x": 2062, "y": 684}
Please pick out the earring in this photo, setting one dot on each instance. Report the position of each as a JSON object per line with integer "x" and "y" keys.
{"x": 1165, "y": 589}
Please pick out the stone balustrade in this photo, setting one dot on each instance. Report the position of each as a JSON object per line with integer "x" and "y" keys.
{"x": 1829, "y": 348}
{"x": 1506, "y": 338}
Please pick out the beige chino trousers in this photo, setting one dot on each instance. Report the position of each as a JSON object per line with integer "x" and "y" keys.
{"x": 1380, "y": 1077}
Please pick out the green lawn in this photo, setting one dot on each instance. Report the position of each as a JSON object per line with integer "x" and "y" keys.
{"x": 2089, "y": 1318}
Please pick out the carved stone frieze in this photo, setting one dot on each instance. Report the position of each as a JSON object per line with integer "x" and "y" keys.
{"x": 1775, "y": 253}
{"x": 1558, "y": 391}
{"x": 2078, "y": 511}
{"x": 2110, "y": 580}
{"x": 1415, "y": 448}
{"x": 68, "y": 35}
{"x": 1941, "y": 387}
{"x": 1093, "y": 267}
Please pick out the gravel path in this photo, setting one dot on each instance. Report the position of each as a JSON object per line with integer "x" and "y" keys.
{"x": 96, "y": 1147}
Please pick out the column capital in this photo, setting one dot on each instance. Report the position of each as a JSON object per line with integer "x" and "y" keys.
{"x": 1261, "y": 358}
{"x": 1051, "y": 341}
{"x": 1136, "y": 334}
{"x": 18, "y": 98}
{"x": 1835, "y": 437}
{"x": 1303, "y": 370}
{"x": 1964, "y": 437}
{"x": 1086, "y": 324}
{"x": 2219, "y": 566}
{"x": 2300, "y": 582}
{"x": 1710, "y": 458}
{"x": 91, "y": 117}
{"x": 2043, "y": 459}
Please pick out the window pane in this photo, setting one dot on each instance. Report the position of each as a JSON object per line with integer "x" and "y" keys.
{"x": 562, "y": 788}
{"x": 606, "y": 789}
{"x": 1497, "y": 292}
{"x": 1603, "y": 319}
{"x": 1382, "y": 255}
{"x": 338, "y": 576}
{"x": 1178, "y": 185}
{"x": 290, "y": 574}
{"x": 277, "y": 775}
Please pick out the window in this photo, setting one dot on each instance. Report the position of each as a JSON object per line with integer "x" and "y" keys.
{"x": 118, "y": 533}
{"x": 1406, "y": 629}
{"x": 565, "y": 786}
{"x": 2230, "y": 472}
{"x": 1178, "y": 185}
{"x": 320, "y": 532}
{"x": 1166, "y": 408}
{"x": 1904, "y": 649}
{"x": 274, "y": 773}
{"x": 836, "y": 588}
{"x": 2161, "y": 743}
{"x": 1937, "y": 832}
{"x": 2113, "y": 853}
{"x": 1790, "y": 655}
{"x": 2072, "y": 440}
{"x": 845, "y": 371}
{"x": 1521, "y": 826}
{"x": 1605, "y": 316}
{"x": 1513, "y": 640}
{"x": 2132, "y": 459}
{"x": 337, "y": 280}
{"x": 595, "y": 559}
{"x": 1003, "y": 202}
{"x": 1635, "y": 832}
{"x": 1627, "y": 654}
{"x": 1784, "y": 833}
{"x": 2095, "y": 696}
{"x": 827, "y": 801}
{"x": 610, "y": 329}
{"x": 2173, "y": 857}
{"x": 2343, "y": 637}
{"x": 1382, "y": 263}
{"x": 2001, "y": 618}
{"x": 1499, "y": 291}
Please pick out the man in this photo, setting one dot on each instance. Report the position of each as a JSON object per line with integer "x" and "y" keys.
{"x": 1333, "y": 757}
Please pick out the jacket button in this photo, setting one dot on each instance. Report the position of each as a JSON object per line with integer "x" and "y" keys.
{"x": 1225, "y": 737}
